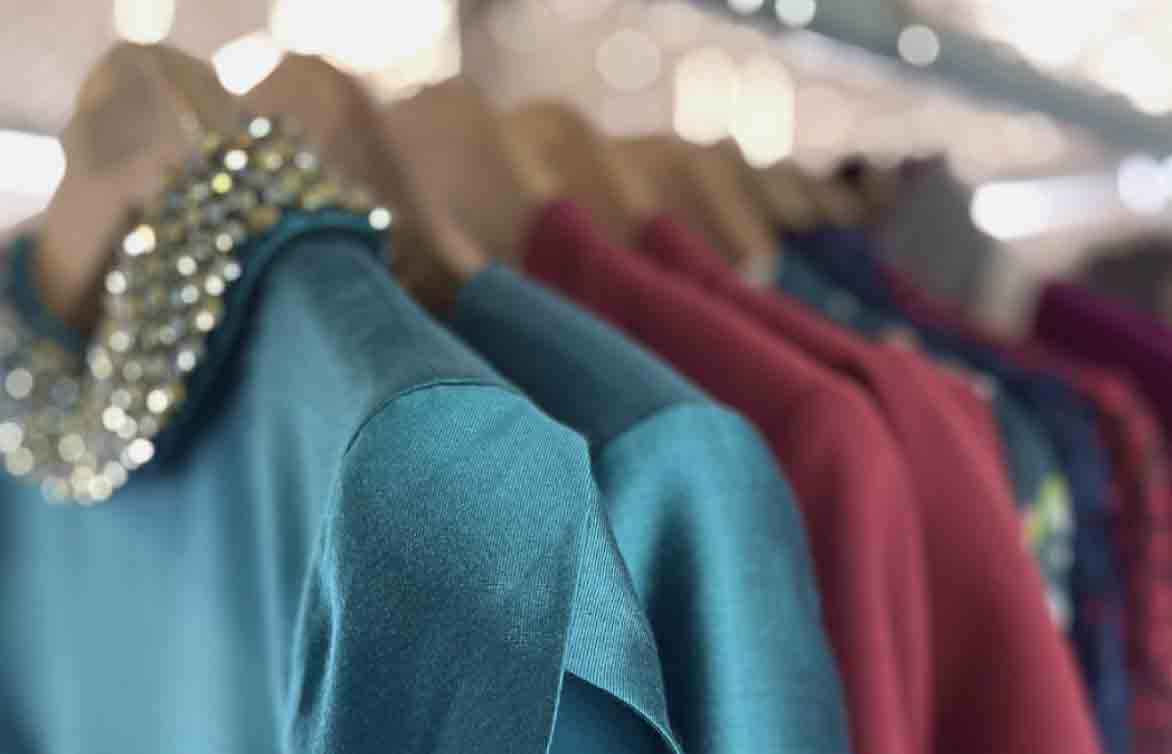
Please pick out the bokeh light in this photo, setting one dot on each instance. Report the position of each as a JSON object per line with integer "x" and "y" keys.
{"x": 796, "y": 13}
{"x": 244, "y": 62}
{"x": 763, "y": 121}
{"x": 629, "y": 60}
{"x": 706, "y": 88}
{"x": 359, "y": 35}
{"x": 919, "y": 45}
{"x": 144, "y": 21}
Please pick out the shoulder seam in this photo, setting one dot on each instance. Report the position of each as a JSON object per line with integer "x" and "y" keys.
{"x": 700, "y": 402}
{"x": 384, "y": 403}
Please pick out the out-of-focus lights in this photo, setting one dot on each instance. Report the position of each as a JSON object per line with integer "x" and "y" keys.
{"x": 629, "y": 60}
{"x": 1133, "y": 68}
{"x": 406, "y": 78}
{"x": 245, "y": 61}
{"x": 144, "y": 21}
{"x": 746, "y": 7}
{"x": 1049, "y": 33}
{"x": 1012, "y": 210}
{"x": 706, "y": 86}
{"x": 33, "y": 167}
{"x": 676, "y": 24}
{"x": 33, "y": 164}
{"x": 919, "y": 45}
{"x": 796, "y": 13}
{"x": 1144, "y": 186}
{"x": 359, "y": 35}
{"x": 763, "y": 121}
{"x": 1020, "y": 209}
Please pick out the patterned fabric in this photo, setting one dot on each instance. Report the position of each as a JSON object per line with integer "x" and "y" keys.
{"x": 1040, "y": 487}
{"x": 1100, "y": 565}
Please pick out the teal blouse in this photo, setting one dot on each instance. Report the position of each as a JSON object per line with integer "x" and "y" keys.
{"x": 705, "y": 523}
{"x": 359, "y": 539}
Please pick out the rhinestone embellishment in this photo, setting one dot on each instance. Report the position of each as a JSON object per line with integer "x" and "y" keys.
{"x": 81, "y": 425}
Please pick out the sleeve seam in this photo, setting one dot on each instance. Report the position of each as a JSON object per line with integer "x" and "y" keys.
{"x": 383, "y": 404}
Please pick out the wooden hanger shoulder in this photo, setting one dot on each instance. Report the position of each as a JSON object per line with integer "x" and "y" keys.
{"x": 452, "y": 149}
{"x": 139, "y": 113}
{"x": 582, "y": 165}
{"x": 693, "y": 183}
{"x": 340, "y": 115}
{"x": 430, "y": 258}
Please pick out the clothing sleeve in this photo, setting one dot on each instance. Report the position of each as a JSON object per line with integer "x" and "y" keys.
{"x": 395, "y": 653}
{"x": 590, "y": 721}
{"x": 867, "y": 540}
{"x": 723, "y": 565}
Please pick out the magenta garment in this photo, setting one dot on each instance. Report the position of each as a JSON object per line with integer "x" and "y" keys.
{"x": 986, "y": 593}
{"x": 1110, "y": 332}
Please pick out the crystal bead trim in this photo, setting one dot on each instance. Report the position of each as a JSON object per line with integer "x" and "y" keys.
{"x": 81, "y": 424}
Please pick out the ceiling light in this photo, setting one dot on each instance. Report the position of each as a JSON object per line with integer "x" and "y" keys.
{"x": 796, "y": 13}
{"x": 1143, "y": 185}
{"x": 245, "y": 61}
{"x": 919, "y": 45}
{"x": 628, "y": 60}
{"x": 359, "y": 35}
{"x": 1132, "y": 67}
{"x": 1019, "y": 209}
{"x": 144, "y": 21}
{"x": 763, "y": 120}
{"x": 33, "y": 168}
{"x": 706, "y": 84}
{"x": 33, "y": 164}
{"x": 746, "y": 7}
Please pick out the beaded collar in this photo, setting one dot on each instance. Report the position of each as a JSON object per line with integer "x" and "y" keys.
{"x": 80, "y": 422}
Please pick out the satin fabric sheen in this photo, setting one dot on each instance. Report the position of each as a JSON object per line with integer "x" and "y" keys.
{"x": 360, "y": 538}
{"x": 706, "y": 524}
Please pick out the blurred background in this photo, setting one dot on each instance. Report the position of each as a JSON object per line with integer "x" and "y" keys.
{"x": 1055, "y": 114}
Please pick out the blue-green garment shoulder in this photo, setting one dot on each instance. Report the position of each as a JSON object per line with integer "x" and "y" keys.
{"x": 703, "y": 519}
{"x": 359, "y": 539}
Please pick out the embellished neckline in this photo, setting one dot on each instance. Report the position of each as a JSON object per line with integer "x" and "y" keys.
{"x": 81, "y": 418}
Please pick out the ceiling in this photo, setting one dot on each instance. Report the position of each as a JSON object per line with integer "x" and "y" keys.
{"x": 636, "y": 65}
{"x": 46, "y": 47}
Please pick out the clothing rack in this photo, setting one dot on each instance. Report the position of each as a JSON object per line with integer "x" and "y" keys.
{"x": 979, "y": 67}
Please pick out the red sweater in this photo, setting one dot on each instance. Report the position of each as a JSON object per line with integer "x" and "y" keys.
{"x": 851, "y": 482}
{"x": 1004, "y": 678}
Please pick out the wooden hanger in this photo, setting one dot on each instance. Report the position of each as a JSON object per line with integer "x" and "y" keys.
{"x": 701, "y": 189}
{"x": 341, "y": 118}
{"x": 140, "y": 112}
{"x": 452, "y": 148}
{"x": 431, "y": 258}
{"x": 780, "y": 190}
{"x": 562, "y": 141}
